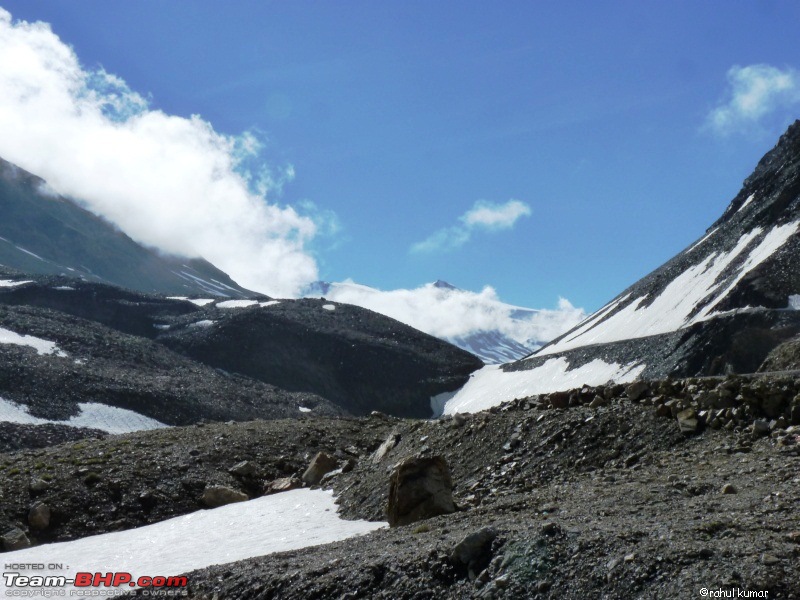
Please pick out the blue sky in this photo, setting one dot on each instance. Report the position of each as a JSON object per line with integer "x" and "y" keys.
{"x": 401, "y": 121}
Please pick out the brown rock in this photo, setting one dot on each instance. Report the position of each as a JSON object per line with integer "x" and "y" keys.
{"x": 636, "y": 390}
{"x": 219, "y": 495}
{"x": 244, "y": 469}
{"x": 559, "y": 399}
{"x": 688, "y": 421}
{"x": 388, "y": 444}
{"x": 420, "y": 488}
{"x": 39, "y": 515}
{"x": 320, "y": 465}
{"x": 284, "y": 484}
{"x": 15, "y": 539}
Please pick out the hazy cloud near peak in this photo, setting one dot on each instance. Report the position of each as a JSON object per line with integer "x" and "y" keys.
{"x": 754, "y": 92}
{"x": 449, "y": 313}
{"x": 489, "y": 216}
{"x": 170, "y": 182}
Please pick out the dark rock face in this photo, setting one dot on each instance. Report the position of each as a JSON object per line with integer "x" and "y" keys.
{"x": 356, "y": 358}
{"x": 719, "y": 306}
{"x": 420, "y": 488}
{"x": 52, "y": 235}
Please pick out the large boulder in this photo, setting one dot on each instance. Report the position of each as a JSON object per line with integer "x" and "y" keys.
{"x": 321, "y": 465}
{"x": 420, "y": 488}
{"x": 14, "y": 539}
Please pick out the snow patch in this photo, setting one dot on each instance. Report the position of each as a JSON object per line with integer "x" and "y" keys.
{"x": 746, "y": 202}
{"x": 64, "y": 288}
{"x": 42, "y": 347}
{"x": 491, "y": 386}
{"x": 203, "y": 323}
{"x": 10, "y": 283}
{"x": 275, "y": 523}
{"x": 329, "y": 306}
{"x": 794, "y": 302}
{"x": 269, "y": 303}
{"x": 201, "y": 301}
{"x": 31, "y": 253}
{"x": 304, "y": 409}
{"x": 92, "y": 414}
{"x": 236, "y": 303}
{"x": 702, "y": 239}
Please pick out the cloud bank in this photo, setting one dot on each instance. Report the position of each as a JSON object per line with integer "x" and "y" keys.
{"x": 486, "y": 216}
{"x": 754, "y": 93}
{"x": 169, "y": 182}
{"x": 447, "y": 312}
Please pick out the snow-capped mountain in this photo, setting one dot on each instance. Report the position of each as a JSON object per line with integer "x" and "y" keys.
{"x": 47, "y": 234}
{"x": 479, "y": 323}
{"x": 717, "y": 307}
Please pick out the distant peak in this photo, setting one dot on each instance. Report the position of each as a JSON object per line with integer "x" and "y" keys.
{"x": 444, "y": 285}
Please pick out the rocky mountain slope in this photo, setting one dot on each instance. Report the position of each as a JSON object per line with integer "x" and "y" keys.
{"x": 47, "y": 234}
{"x": 720, "y": 306}
{"x": 69, "y": 346}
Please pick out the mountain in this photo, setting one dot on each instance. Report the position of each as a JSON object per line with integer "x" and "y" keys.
{"x": 47, "y": 234}
{"x": 70, "y": 349}
{"x": 479, "y": 323}
{"x": 720, "y": 306}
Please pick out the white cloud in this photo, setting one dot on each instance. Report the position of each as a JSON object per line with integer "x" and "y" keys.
{"x": 483, "y": 215}
{"x": 169, "y": 182}
{"x": 495, "y": 216}
{"x": 447, "y": 312}
{"x": 755, "y": 92}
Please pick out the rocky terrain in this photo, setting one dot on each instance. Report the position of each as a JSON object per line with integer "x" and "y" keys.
{"x": 650, "y": 490}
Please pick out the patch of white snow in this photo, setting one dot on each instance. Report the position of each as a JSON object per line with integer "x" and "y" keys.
{"x": 203, "y": 323}
{"x": 92, "y": 414}
{"x": 269, "y": 303}
{"x": 10, "y": 283}
{"x": 329, "y": 306}
{"x": 29, "y": 252}
{"x": 702, "y": 239}
{"x": 746, "y": 202}
{"x": 491, "y": 386}
{"x": 41, "y": 346}
{"x": 236, "y": 303}
{"x": 794, "y": 302}
{"x": 275, "y": 523}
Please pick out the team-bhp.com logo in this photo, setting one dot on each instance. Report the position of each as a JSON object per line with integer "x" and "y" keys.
{"x": 94, "y": 580}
